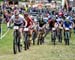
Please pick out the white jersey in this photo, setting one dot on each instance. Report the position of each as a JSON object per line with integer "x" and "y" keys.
{"x": 17, "y": 21}
{"x": 59, "y": 19}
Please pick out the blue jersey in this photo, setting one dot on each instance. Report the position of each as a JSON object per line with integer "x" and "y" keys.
{"x": 70, "y": 18}
{"x": 67, "y": 24}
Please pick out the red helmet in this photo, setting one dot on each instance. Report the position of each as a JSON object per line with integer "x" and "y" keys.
{"x": 60, "y": 13}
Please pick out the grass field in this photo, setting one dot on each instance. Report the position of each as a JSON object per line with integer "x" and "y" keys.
{"x": 46, "y": 51}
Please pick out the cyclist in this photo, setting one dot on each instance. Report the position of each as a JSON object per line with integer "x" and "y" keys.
{"x": 66, "y": 26}
{"x": 29, "y": 25}
{"x": 51, "y": 22}
{"x": 59, "y": 29}
{"x": 71, "y": 23}
{"x": 18, "y": 20}
{"x": 41, "y": 23}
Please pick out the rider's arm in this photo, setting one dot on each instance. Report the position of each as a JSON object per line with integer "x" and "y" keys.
{"x": 25, "y": 22}
{"x": 31, "y": 21}
{"x": 22, "y": 17}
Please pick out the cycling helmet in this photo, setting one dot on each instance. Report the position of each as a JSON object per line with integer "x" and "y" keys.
{"x": 25, "y": 14}
{"x": 60, "y": 14}
{"x": 16, "y": 12}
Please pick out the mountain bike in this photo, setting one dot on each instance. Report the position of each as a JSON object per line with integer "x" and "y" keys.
{"x": 26, "y": 38}
{"x": 53, "y": 35}
{"x": 16, "y": 40}
{"x": 40, "y": 36}
{"x": 66, "y": 36}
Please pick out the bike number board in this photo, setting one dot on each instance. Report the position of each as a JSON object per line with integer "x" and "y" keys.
{"x": 26, "y": 29}
{"x": 16, "y": 27}
{"x": 53, "y": 29}
{"x": 66, "y": 28}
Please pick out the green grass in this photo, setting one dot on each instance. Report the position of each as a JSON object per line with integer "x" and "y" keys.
{"x": 4, "y": 29}
{"x": 46, "y": 51}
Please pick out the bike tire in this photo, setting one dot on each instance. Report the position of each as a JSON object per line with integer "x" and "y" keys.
{"x": 14, "y": 46}
{"x": 19, "y": 45}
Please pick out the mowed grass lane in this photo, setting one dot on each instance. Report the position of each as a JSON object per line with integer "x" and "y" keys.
{"x": 46, "y": 51}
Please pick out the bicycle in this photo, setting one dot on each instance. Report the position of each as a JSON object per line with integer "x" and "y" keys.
{"x": 26, "y": 38}
{"x": 59, "y": 34}
{"x": 16, "y": 40}
{"x": 53, "y": 35}
{"x": 40, "y": 36}
{"x": 67, "y": 36}
{"x": 34, "y": 36}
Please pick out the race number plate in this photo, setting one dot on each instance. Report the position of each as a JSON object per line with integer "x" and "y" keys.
{"x": 16, "y": 27}
{"x": 53, "y": 29}
{"x": 66, "y": 28}
{"x": 26, "y": 29}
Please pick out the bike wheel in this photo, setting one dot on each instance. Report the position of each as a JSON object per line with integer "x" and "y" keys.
{"x": 19, "y": 45}
{"x": 67, "y": 37}
{"x": 14, "y": 46}
{"x": 54, "y": 37}
{"x": 26, "y": 41}
{"x": 34, "y": 37}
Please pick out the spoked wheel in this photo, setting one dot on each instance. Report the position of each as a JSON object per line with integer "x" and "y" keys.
{"x": 19, "y": 45}
{"x": 40, "y": 40}
{"x": 14, "y": 46}
{"x": 26, "y": 46}
{"x": 33, "y": 38}
{"x": 16, "y": 42}
{"x": 26, "y": 41}
{"x": 53, "y": 37}
{"x": 67, "y": 37}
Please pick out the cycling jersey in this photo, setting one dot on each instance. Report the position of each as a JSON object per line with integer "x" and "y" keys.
{"x": 41, "y": 22}
{"x": 20, "y": 20}
{"x": 66, "y": 24}
{"x": 70, "y": 18}
{"x": 59, "y": 19}
{"x": 51, "y": 23}
{"x": 29, "y": 21}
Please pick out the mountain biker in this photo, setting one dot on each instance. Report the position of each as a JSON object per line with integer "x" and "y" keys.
{"x": 71, "y": 23}
{"x": 18, "y": 20}
{"x": 66, "y": 24}
{"x": 59, "y": 28}
{"x": 41, "y": 21}
{"x": 41, "y": 29}
{"x": 29, "y": 25}
{"x": 51, "y": 22}
{"x": 28, "y": 19}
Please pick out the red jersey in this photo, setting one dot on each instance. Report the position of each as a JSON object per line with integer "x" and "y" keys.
{"x": 29, "y": 21}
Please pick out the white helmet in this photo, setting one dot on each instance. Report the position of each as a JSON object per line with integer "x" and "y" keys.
{"x": 16, "y": 12}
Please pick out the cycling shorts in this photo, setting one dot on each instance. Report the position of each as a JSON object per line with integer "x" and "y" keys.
{"x": 20, "y": 25}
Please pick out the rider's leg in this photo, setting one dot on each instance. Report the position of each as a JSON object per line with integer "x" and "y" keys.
{"x": 30, "y": 37}
{"x": 21, "y": 35}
